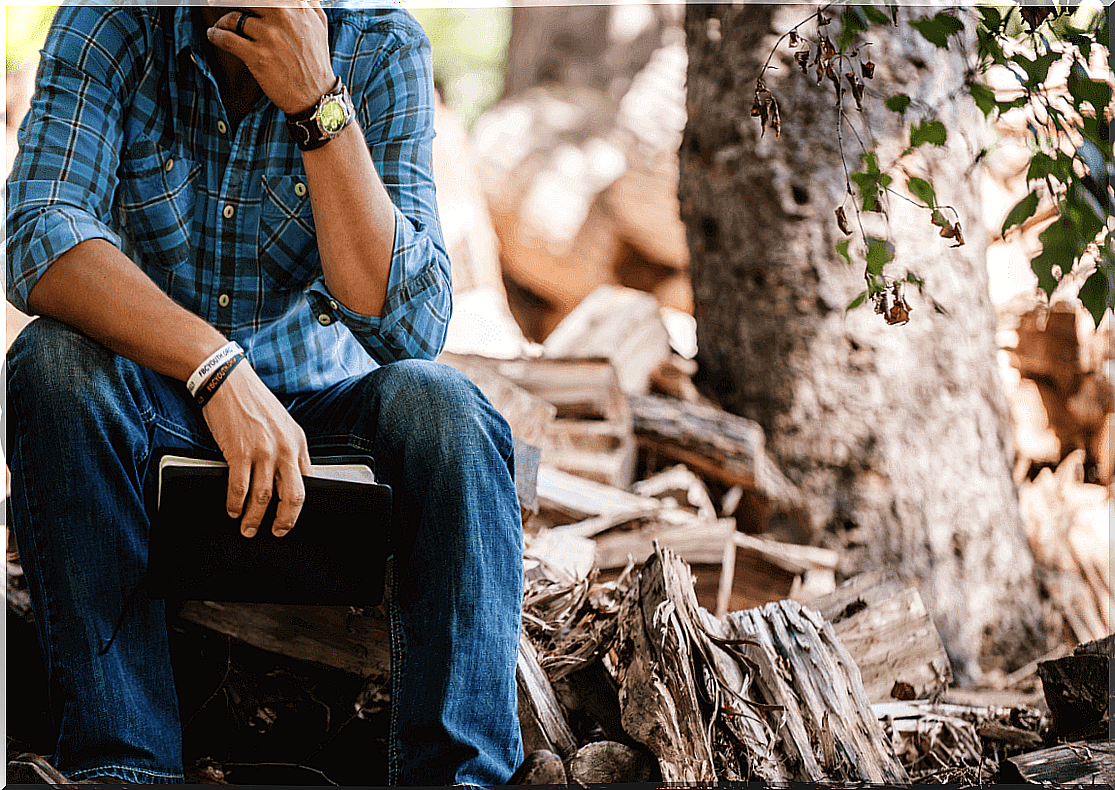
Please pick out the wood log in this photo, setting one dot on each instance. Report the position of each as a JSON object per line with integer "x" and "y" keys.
{"x": 1076, "y": 688}
{"x": 655, "y": 674}
{"x": 769, "y": 693}
{"x": 1082, "y": 763}
{"x": 609, "y": 762}
{"x": 822, "y": 694}
{"x": 760, "y": 570}
{"x": 620, "y": 324}
{"x": 574, "y": 498}
{"x": 887, "y": 630}
{"x": 591, "y": 435}
{"x": 720, "y": 446}
{"x": 541, "y": 719}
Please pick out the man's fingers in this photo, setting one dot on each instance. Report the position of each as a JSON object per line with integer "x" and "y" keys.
{"x": 239, "y": 480}
{"x": 260, "y": 497}
{"x": 292, "y": 495}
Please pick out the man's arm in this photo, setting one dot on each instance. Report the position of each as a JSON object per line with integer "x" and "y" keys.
{"x": 99, "y": 290}
{"x": 371, "y": 189}
{"x": 63, "y": 259}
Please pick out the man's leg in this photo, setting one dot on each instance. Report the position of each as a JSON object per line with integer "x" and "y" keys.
{"x": 457, "y": 540}
{"x": 81, "y": 426}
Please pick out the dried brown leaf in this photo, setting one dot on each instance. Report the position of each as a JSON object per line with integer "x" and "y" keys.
{"x": 842, "y": 221}
{"x": 795, "y": 39}
{"x": 868, "y": 69}
{"x": 802, "y": 58}
{"x": 822, "y": 20}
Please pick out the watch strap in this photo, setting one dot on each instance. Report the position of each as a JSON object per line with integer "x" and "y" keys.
{"x": 305, "y": 127}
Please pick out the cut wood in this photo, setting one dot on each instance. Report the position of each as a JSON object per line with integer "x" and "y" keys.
{"x": 541, "y": 719}
{"x": 1083, "y": 763}
{"x": 721, "y": 446}
{"x": 1076, "y": 688}
{"x": 620, "y": 324}
{"x": 592, "y": 434}
{"x": 760, "y": 570}
{"x": 765, "y": 694}
{"x": 577, "y": 498}
{"x": 609, "y": 762}
{"x": 887, "y": 629}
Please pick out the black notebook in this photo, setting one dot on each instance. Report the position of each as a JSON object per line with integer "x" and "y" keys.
{"x": 335, "y": 554}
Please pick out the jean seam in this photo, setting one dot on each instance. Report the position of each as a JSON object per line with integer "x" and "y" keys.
{"x": 102, "y": 770}
{"x": 395, "y": 630}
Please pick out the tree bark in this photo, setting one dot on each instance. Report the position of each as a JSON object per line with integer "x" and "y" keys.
{"x": 897, "y": 435}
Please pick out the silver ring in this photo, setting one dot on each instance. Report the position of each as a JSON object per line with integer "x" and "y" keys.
{"x": 240, "y": 24}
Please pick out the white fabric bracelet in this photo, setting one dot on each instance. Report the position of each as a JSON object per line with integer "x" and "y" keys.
{"x": 196, "y": 378}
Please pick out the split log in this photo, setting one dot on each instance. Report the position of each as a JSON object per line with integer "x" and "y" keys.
{"x": 722, "y": 447}
{"x": 887, "y": 629}
{"x": 1083, "y": 763}
{"x": 655, "y": 673}
{"x": 541, "y": 719}
{"x": 1076, "y": 689}
{"x": 620, "y": 324}
{"x": 769, "y": 693}
{"x": 575, "y": 499}
{"x": 760, "y": 570}
{"x": 823, "y": 694}
{"x": 591, "y": 435}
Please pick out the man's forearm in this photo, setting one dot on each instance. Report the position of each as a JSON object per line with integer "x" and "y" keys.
{"x": 354, "y": 218}
{"x": 97, "y": 289}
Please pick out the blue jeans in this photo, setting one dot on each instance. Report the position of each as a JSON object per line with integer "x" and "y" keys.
{"x": 82, "y": 426}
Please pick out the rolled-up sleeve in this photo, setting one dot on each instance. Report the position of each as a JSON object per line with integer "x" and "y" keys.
{"x": 395, "y": 108}
{"x": 63, "y": 180}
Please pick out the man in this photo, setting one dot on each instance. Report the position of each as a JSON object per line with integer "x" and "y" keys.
{"x": 195, "y": 189}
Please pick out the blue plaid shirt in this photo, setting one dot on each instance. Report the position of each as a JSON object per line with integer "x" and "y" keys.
{"x": 127, "y": 140}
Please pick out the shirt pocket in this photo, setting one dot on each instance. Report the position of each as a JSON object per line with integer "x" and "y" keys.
{"x": 157, "y": 197}
{"x": 287, "y": 242}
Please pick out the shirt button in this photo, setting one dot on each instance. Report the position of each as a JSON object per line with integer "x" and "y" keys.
{"x": 300, "y": 189}
{"x": 324, "y": 319}
{"x": 169, "y": 165}
{"x": 223, "y": 300}
{"x": 222, "y": 127}
{"x": 228, "y": 212}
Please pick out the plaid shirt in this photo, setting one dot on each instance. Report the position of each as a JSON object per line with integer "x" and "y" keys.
{"x": 127, "y": 140}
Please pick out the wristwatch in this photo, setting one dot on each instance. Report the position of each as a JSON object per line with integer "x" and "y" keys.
{"x": 316, "y": 126}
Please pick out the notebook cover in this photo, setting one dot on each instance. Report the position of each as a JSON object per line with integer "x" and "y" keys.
{"x": 335, "y": 554}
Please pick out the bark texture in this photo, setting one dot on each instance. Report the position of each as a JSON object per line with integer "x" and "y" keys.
{"x": 897, "y": 435}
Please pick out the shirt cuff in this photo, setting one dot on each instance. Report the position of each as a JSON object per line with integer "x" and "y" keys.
{"x": 416, "y": 309}
{"x": 54, "y": 233}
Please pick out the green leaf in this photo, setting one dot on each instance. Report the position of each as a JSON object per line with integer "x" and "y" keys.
{"x": 1085, "y": 89}
{"x": 1022, "y": 211}
{"x": 875, "y": 15}
{"x": 852, "y": 305}
{"x": 922, "y": 190}
{"x": 991, "y": 18}
{"x": 1057, "y": 250}
{"x": 1036, "y": 69}
{"x": 983, "y": 96}
{"x": 936, "y": 30}
{"x": 1041, "y": 165}
{"x": 898, "y": 103}
{"x": 842, "y": 251}
{"x": 870, "y": 163}
{"x": 928, "y": 132}
{"x": 880, "y": 252}
{"x": 1096, "y": 294}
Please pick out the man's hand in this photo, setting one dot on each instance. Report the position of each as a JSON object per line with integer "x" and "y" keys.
{"x": 265, "y": 450}
{"x": 286, "y": 48}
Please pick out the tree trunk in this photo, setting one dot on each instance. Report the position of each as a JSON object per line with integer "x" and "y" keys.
{"x": 897, "y": 435}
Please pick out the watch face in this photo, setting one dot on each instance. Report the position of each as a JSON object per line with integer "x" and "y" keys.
{"x": 332, "y": 116}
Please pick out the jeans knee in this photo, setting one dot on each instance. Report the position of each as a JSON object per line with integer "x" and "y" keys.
{"x": 55, "y": 370}
{"x": 440, "y": 406}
